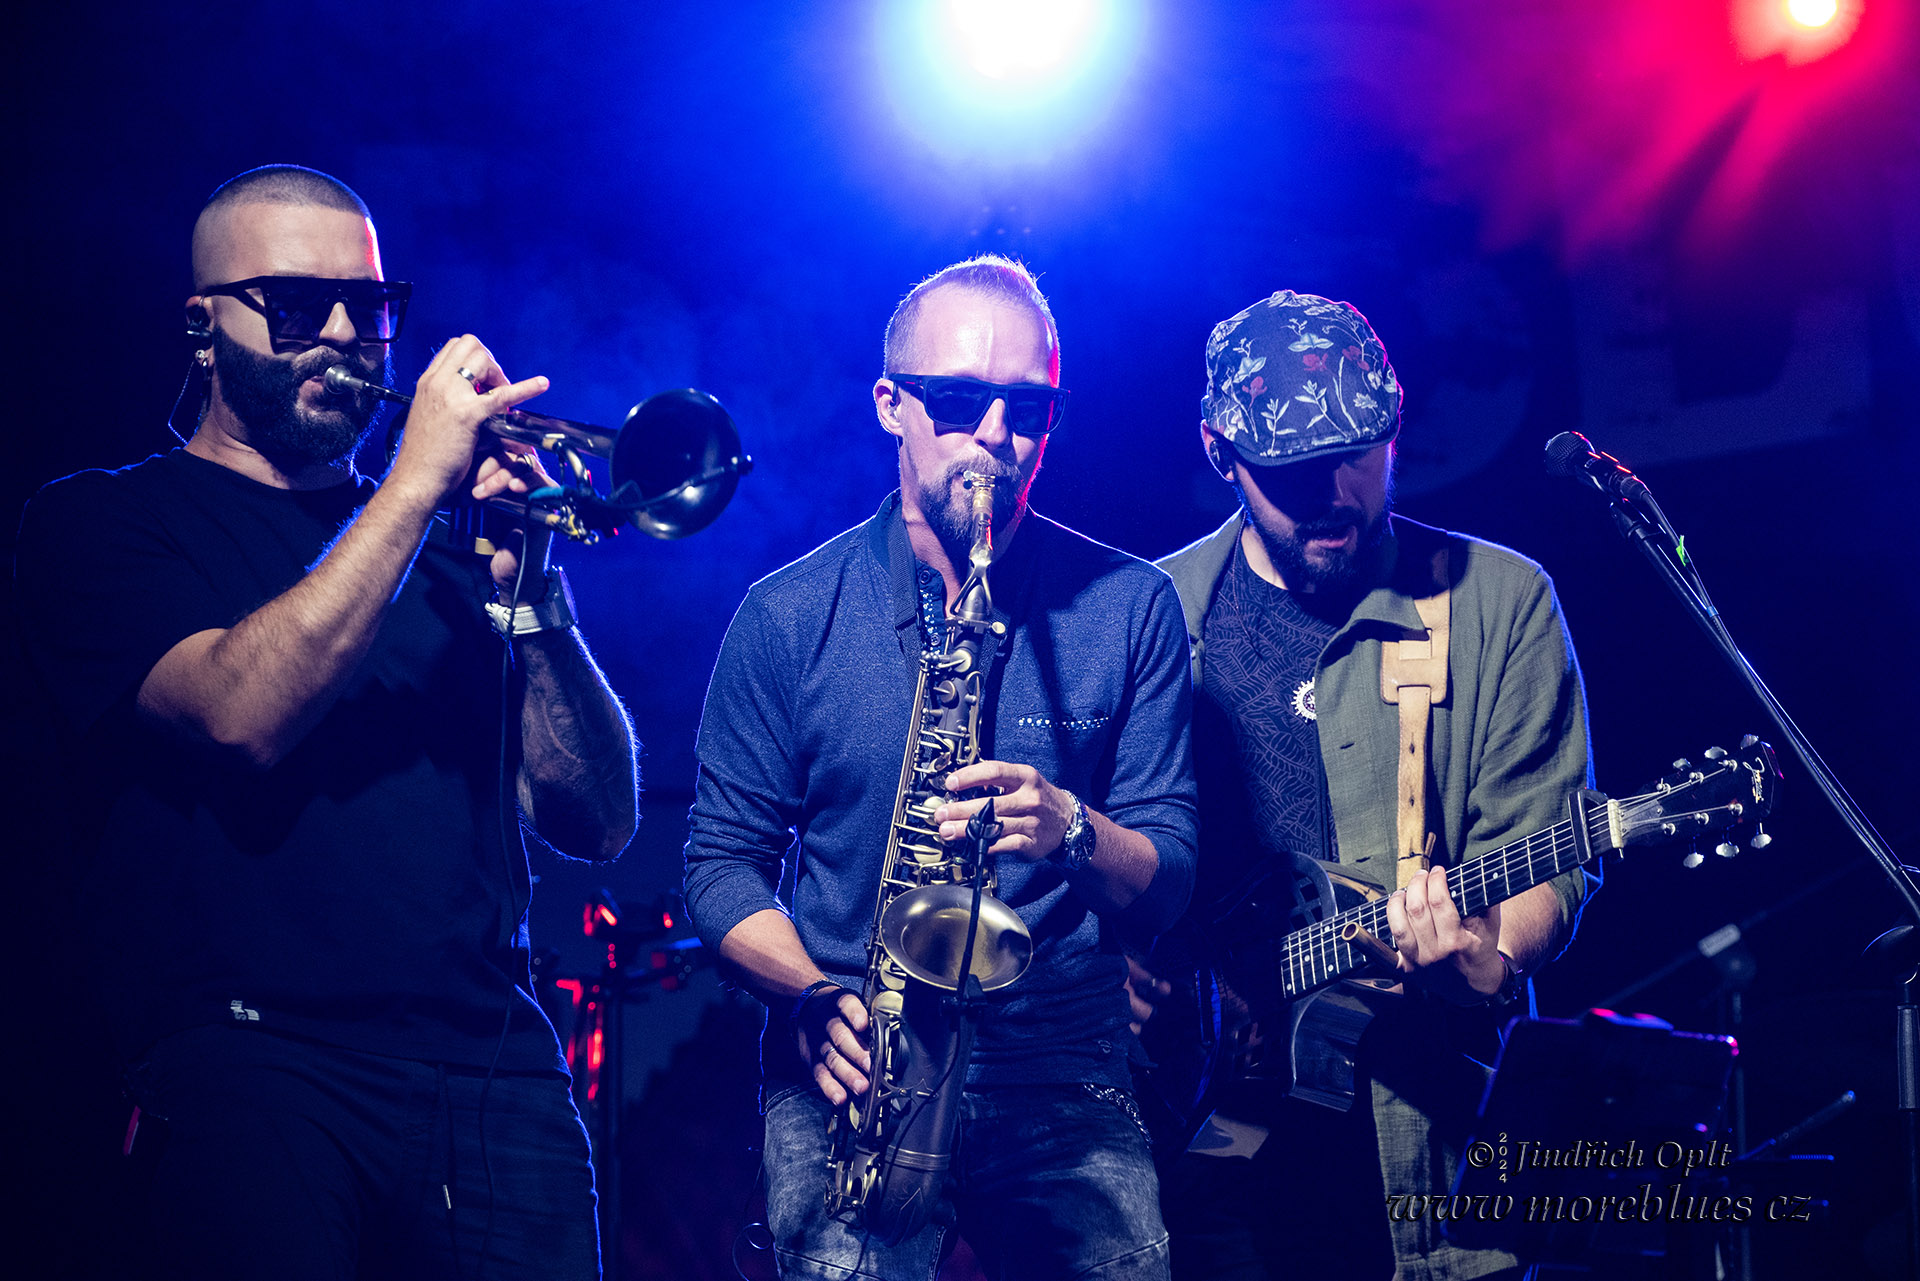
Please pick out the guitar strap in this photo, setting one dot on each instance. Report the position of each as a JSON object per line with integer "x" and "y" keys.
{"x": 1413, "y": 674}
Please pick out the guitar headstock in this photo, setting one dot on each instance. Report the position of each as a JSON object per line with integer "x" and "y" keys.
{"x": 1723, "y": 790}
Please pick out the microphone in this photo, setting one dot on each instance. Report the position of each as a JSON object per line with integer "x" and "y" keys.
{"x": 1572, "y": 455}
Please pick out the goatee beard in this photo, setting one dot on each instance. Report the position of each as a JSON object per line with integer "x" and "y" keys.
{"x": 263, "y": 393}
{"x": 948, "y": 506}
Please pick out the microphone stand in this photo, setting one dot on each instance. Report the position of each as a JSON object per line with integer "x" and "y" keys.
{"x": 1665, "y": 550}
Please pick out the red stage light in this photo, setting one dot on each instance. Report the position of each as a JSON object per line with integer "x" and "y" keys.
{"x": 1797, "y": 30}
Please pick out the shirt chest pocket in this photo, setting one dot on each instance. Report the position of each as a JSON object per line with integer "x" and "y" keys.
{"x": 1065, "y": 746}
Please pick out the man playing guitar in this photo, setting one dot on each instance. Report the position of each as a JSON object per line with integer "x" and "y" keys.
{"x": 1312, "y": 759}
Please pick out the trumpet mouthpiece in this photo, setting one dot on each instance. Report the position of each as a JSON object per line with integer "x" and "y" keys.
{"x": 341, "y": 383}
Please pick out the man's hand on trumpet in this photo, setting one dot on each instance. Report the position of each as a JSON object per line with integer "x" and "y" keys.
{"x": 461, "y": 388}
{"x": 512, "y": 468}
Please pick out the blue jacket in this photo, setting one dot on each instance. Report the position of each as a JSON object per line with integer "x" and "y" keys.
{"x": 806, "y": 723}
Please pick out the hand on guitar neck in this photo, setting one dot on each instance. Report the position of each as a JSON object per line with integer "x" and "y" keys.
{"x": 1460, "y": 959}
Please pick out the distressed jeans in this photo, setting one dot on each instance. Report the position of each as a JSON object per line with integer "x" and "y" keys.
{"x": 1050, "y": 1183}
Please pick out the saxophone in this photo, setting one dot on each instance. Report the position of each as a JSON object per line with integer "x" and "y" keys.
{"x": 939, "y": 939}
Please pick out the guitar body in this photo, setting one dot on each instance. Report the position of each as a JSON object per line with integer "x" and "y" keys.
{"x": 1220, "y": 1022}
{"x": 1269, "y": 981}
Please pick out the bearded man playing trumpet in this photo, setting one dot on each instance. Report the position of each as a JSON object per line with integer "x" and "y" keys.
{"x": 1018, "y": 664}
{"x": 297, "y": 731}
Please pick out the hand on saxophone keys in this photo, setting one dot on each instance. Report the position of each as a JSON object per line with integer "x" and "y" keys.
{"x": 830, "y": 1031}
{"x": 1033, "y": 814}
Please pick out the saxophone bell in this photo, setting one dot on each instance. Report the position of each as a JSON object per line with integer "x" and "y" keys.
{"x": 925, "y": 931}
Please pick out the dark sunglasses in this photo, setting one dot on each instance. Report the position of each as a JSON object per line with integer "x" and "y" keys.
{"x": 297, "y": 307}
{"x": 1032, "y": 408}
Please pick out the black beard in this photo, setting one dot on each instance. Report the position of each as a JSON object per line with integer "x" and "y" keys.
{"x": 1343, "y": 574}
{"x": 951, "y": 519}
{"x": 263, "y": 392}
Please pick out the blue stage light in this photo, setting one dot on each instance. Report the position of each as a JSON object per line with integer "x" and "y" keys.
{"x": 1012, "y": 80}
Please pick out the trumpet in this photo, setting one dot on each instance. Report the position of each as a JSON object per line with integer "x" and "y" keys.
{"x": 672, "y": 467}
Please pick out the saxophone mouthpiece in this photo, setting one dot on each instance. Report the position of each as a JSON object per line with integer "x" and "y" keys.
{"x": 980, "y": 486}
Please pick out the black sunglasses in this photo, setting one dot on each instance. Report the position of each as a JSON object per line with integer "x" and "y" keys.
{"x": 1033, "y": 409}
{"x": 297, "y": 307}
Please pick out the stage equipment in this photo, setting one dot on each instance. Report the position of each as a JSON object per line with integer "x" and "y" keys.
{"x": 645, "y": 951}
{"x": 1641, "y": 522}
{"x": 940, "y": 939}
{"x": 673, "y": 465}
{"x": 1611, "y": 1109}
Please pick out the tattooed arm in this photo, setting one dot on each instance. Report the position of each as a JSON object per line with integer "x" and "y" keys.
{"x": 578, "y": 779}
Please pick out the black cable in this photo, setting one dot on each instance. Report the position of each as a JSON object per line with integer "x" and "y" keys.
{"x": 509, "y": 836}
{"x": 761, "y": 1240}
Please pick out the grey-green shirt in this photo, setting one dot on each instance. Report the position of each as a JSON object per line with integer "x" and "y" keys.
{"x": 1505, "y": 748}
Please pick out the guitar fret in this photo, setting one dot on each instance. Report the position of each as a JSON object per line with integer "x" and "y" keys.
{"x": 1316, "y": 954}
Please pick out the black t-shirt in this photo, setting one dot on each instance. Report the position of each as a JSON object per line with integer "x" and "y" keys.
{"x": 1263, "y": 792}
{"x": 358, "y": 892}
{"x": 1263, "y": 801}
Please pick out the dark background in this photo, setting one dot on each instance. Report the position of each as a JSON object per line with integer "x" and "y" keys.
{"x": 1596, "y": 217}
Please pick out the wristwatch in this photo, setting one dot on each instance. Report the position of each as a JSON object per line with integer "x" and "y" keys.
{"x": 1513, "y": 987}
{"x": 553, "y": 612}
{"x": 1076, "y": 847}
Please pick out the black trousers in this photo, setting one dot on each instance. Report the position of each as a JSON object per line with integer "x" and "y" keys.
{"x": 283, "y": 1158}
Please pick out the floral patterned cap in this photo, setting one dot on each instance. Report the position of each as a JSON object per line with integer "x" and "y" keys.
{"x": 1297, "y": 375}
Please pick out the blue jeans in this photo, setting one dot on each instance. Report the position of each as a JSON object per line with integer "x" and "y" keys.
{"x": 284, "y": 1158}
{"x": 1050, "y": 1183}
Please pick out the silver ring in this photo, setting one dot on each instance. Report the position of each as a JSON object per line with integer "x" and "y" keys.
{"x": 467, "y": 374}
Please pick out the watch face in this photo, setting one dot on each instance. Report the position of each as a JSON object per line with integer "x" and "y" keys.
{"x": 1077, "y": 849}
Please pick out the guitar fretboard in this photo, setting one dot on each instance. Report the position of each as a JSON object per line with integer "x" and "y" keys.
{"x": 1316, "y": 955}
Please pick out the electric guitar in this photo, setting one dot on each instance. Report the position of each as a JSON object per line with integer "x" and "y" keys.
{"x": 1271, "y": 984}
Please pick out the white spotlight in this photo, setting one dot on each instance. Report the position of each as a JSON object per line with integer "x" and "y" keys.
{"x": 1020, "y": 39}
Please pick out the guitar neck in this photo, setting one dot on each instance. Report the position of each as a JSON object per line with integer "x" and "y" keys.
{"x": 1317, "y": 954}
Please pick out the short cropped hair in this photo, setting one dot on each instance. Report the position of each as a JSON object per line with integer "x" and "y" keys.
{"x": 287, "y": 185}
{"x": 993, "y": 275}
{"x": 275, "y": 185}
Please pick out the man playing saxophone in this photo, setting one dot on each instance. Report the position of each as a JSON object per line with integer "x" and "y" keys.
{"x": 1083, "y": 751}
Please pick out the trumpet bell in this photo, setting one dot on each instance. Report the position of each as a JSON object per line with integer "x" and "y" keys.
{"x": 676, "y": 463}
{"x": 924, "y": 930}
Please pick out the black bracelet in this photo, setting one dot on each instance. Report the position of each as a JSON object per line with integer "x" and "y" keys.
{"x": 812, "y": 990}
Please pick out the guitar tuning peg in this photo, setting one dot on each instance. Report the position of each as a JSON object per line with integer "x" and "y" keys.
{"x": 1748, "y": 740}
{"x": 1683, "y": 763}
{"x": 1715, "y": 753}
{"x": 1760, "y": 839}
{"x": 1693, "y": 859}
{"x": 1726, "y": 849}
